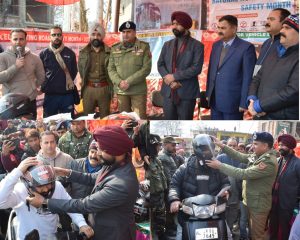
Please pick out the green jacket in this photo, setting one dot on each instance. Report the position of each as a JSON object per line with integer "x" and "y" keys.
{"x": 258, "y": 182}
{"x": 84, "y": 60}
{"x": 131, "y": 64}
{"x": 156, "y": 175}
{"x": 75, "y": 147}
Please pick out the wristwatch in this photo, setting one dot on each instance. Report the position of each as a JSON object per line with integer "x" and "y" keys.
{"x": 45, "y": 203}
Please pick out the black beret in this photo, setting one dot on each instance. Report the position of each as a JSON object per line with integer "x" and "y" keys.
{"x": 263, "y": 137}
{"x": 127, "y": 25}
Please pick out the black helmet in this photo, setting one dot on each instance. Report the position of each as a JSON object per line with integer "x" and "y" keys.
{"x": 14, "y": 105}
{"x": 201, "y": 143}
{"x": 39, "y": 175}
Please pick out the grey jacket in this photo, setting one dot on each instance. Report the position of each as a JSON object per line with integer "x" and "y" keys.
{"x": 110, "y": 205}
{"x": 25, "y": 80}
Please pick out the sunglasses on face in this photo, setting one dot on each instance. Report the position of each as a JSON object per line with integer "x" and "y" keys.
{"x": 56, "y": 34}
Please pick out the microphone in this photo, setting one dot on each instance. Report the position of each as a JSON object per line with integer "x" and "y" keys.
{"x": 19, "y": 52}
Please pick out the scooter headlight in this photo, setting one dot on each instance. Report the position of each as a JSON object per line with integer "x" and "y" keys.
{"x": 220, "y": 208}
{"x": 204, "y": 211}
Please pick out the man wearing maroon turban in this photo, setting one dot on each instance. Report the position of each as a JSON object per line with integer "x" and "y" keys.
{"x": 110, "y": 205}
{"x": 179, "y": 64}
{"x": 286, "y": 189}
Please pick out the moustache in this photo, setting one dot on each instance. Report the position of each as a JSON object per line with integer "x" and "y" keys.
{"x": 282, "y": 35}
{"x": 267, "y": 25}
{"x": 220, "y": 34}
{"x": 96, "y": 159}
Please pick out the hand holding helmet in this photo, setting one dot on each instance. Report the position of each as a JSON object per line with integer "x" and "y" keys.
{"x": 28, "y": 162}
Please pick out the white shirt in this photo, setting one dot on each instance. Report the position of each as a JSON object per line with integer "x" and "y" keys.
{"x": 13, "y": 194}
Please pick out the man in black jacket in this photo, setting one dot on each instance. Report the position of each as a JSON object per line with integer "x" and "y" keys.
{"x": 194, "y": 177}
{"x": 111, "y": 203}
{"x": 274, "y": 91}
{"x": 61, "y": 69}
{"x": 286, "y": 189}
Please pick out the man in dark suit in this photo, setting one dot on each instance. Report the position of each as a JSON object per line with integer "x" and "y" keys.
{"x": 179, "y": 64}
{"x": 286, "y": 189}
{"x": 110, "y": 205}
{"x": 231, "y": 66}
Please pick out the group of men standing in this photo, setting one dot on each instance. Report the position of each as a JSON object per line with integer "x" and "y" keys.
{"x": 236, "y": 82}
{"x": 103, "y": 71}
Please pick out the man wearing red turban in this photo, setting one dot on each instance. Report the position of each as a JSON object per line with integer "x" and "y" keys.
{"x": 179, "y": 64}
{"x": 286, "y": 189}
{"x": 111, "y": 203}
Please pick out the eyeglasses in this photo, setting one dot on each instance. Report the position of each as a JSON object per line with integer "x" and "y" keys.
{"x": 56, "y": 34}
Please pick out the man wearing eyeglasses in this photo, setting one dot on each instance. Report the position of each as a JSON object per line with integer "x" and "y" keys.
{"x": 20, "y": 70}
{"x": 61, "y": 69}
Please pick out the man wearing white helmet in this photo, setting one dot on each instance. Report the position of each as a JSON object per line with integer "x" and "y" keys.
{"x": 35, "y": 177}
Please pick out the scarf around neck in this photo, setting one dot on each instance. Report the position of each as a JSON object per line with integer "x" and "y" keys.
{"x": 60, "y": 60}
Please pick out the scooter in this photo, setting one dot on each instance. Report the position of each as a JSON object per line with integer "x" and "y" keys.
{"x": 204, "y": 217}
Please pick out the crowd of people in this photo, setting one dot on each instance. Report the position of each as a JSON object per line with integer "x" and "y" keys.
{"x": 42, "y": 155}
{"x": 61, "y": 167}
{"x": 237, "y": 82}
{"x": 263, "y": 200}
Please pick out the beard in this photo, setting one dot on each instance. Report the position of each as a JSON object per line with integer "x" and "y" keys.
{"x": 283, "y": 152}
{"x": 97, "y": 43}
{"x": 178, "y": 33}
{"x": 56, "y": 44}
{"x": 108, "y": 162}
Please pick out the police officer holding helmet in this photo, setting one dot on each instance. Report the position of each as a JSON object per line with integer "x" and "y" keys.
{"x": 258, "y": 178}
{"x": 195, "y": 177}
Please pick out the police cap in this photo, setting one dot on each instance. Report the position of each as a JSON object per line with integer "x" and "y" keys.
{"x": 263, "y": 137}
{"x": 127, "y": 25}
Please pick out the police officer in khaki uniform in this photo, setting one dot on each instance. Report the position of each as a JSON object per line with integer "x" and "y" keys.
{"x": 258, "y": 178}
{"x": 96, "y": 87}
{"x": 129, "y": 65}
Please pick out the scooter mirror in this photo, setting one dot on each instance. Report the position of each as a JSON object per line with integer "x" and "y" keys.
{"x": 223, "y": 190}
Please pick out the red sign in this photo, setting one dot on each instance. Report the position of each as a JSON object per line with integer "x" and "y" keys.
{"x": 58, "y": 2}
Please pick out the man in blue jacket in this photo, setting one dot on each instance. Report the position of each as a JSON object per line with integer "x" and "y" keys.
{"x": 230, "y": 70}
{"x": 61, "y": 69}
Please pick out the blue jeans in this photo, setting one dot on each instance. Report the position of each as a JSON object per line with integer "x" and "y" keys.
{"x": 243, "y": 221}
{"x": 54, "y": 104}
